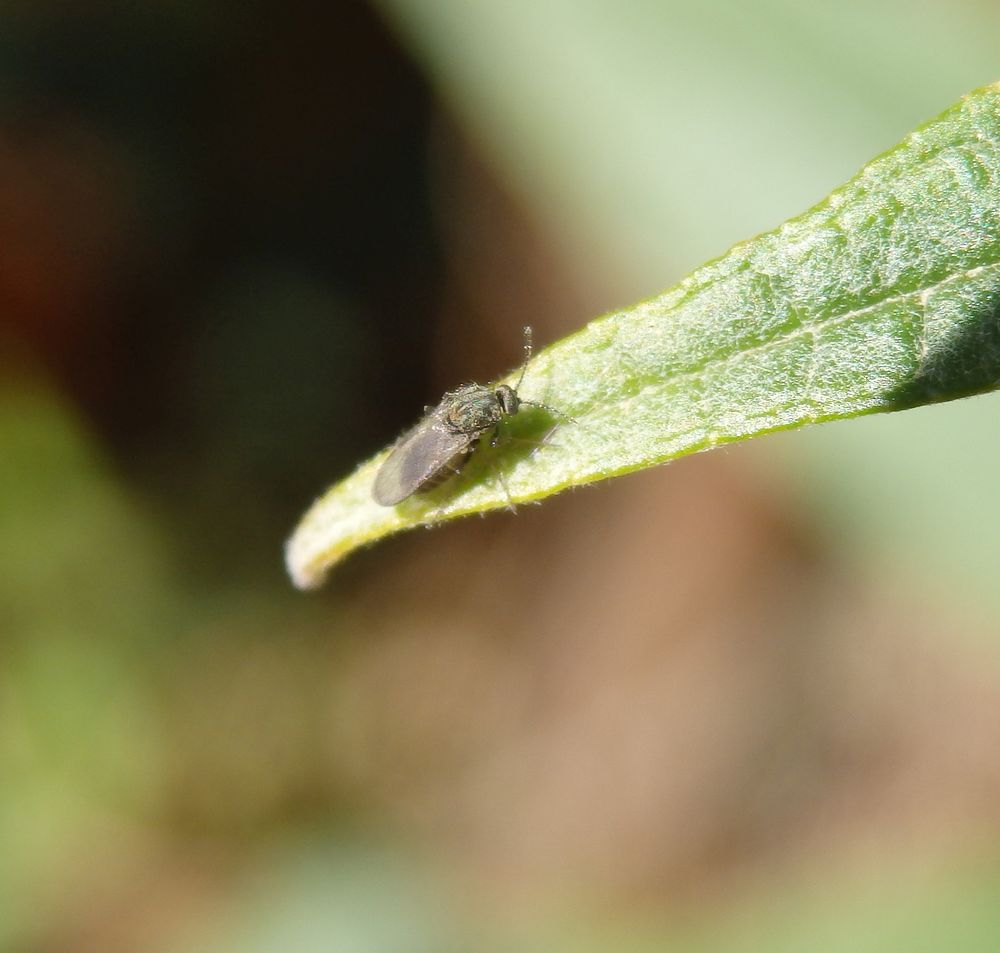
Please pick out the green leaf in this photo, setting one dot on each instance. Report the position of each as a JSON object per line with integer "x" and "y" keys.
{"x": 884, "y": 296}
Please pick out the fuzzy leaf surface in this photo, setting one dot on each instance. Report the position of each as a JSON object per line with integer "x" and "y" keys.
{"x": 883, "y": 297}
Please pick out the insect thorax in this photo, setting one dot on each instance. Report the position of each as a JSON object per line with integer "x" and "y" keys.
{"x": 472, "y": 409}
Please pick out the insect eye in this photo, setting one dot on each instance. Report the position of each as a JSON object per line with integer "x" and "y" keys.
{"x": 507, "y": 396}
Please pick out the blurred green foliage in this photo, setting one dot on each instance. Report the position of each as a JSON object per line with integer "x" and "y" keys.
{"x": 84, "y": 601}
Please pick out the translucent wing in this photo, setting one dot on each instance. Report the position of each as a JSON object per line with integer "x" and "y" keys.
{"x": 421, "y": 458}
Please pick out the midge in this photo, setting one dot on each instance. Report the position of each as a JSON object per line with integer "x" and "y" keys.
{"x": 439, "y": 446}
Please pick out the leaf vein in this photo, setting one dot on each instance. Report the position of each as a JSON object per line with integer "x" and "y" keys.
{"x": 812, "y": 328}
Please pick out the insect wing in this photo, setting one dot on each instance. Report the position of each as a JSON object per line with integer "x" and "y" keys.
{"x": 419, "y": 456}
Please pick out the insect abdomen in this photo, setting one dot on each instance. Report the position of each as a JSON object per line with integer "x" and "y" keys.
{"x": 424, "y": 457}
{"x": 446, "y": 470}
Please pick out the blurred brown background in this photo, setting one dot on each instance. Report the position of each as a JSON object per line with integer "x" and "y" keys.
{"x": 749, "y": 701}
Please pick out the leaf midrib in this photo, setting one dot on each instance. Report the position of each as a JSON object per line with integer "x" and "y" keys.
{"x": 808, "y": 328}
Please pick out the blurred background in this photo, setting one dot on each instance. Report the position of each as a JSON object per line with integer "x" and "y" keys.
{"x": 750, "y": 701}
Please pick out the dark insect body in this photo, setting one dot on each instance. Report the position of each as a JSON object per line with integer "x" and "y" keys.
{"x": 439, "y": 446}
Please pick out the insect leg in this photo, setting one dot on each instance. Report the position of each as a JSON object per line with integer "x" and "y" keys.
{"x": 511, "y": 506}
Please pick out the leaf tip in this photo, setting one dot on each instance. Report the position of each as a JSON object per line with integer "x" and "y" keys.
{"x": 304, "y": 570}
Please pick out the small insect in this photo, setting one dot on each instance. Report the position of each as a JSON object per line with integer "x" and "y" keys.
{"x": 439, "y": 446}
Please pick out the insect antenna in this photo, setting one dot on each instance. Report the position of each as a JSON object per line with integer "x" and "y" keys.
{"x": 527, "y": 355}
{"x": 524, "y": 366}
{"x": 555, "y": 411}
